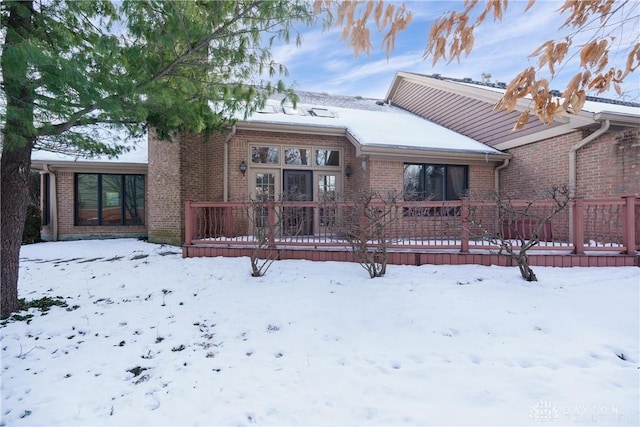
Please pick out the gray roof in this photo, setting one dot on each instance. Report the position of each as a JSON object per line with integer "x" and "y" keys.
{"x": 370, "y": 122}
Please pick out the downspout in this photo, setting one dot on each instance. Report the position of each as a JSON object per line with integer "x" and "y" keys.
{"x": 573, "y": 174}
{"x": 225, "y": 172}
{"x": 53, "y": 202}
{"x": 496, "y": 175}
{"x": 573, "y": 170}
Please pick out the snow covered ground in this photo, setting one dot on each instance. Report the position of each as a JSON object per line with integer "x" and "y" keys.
{"x": 149, "y": 338}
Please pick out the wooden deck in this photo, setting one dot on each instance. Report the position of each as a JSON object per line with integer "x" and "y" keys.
{"x": 590, "y": 233}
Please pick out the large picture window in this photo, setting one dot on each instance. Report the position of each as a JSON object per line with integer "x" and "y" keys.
{"x": 109, "y": 199}
{"x": 434, "y": 182}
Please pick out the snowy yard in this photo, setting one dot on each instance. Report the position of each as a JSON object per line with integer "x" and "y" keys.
{"x": 150, "y": 338}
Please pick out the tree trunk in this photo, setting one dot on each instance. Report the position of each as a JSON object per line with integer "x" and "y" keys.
{"x": 18, "y": 138}
{"x": 14, "y": 165}
{"x": 525, "y": 270}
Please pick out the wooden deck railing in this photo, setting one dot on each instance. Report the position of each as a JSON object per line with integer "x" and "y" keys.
{"x": 611, "y": 225}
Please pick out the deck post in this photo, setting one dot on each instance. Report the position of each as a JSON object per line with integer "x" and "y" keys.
{"x": 464, "y": 218}
{"x": 271, "y": 215}
{"x": 228, "y": 221}
{"x": 578, "y": 226}
{"x": 188, "y": 223}
{"x": 363, "y": 224}
{"x": 629, "y": 236}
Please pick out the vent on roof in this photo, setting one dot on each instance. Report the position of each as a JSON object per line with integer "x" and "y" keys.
{"x": 467, "y": 80}
{"x": 267, "y": 109}
{"x": 322, "y": 112}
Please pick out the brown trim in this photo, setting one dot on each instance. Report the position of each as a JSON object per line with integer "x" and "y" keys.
{"x": 92, "y": 167}
{"x": 292, "y": 128}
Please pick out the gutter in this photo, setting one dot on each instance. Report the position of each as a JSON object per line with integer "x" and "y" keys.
{"x": 225, "y": 172}
{"x": 53, "y": 202}
{"x": 496, "y": 175}
{"x": 573, "y": 175}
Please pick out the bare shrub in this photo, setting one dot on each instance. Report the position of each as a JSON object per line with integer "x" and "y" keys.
{"x": 272, "y": 220}
{"x": 517, "y": 227}
{"x": 366, "y": 230}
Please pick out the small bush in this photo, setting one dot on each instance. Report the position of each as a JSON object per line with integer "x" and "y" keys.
{"x": 32, "y": 225}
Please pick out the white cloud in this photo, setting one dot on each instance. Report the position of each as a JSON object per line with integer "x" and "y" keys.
{"x": 325, "y": 63}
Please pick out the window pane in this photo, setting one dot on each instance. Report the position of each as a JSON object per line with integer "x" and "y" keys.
{"x": 111, "y": 199}
{"x": 265, "y": 190}
{"x": 134, "y": 199}
{"x": 87, "y": 193}
{"x": 268, "y": 155}
{"x": 297, "y": 156}
{"x": 326, "y": 187}
{"x": 456, "y": 182}
{"x": 412, "y": 183}
{"x": 434, "y": 182}
{"x": 265, "y": 186}
{"x": 327, "y": 158}
{"x": 327, "y": 194}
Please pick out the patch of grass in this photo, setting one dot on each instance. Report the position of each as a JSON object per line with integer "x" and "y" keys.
{"x": 137, "y": 370}
{"x": 18, "y": 318}
{"x": 43, "y": 304}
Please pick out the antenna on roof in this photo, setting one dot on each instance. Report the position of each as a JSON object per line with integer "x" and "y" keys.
{"x": 486, "y": 77}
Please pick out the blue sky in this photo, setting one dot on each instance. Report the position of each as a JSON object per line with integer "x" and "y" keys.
{"x": 325, "y": 63}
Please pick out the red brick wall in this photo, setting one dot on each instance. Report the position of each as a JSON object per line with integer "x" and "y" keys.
{"x": 386, "y": 176}
{"x": 539, "y": 167}
{"x": 481, "y": 179}
{"x": 609, "y": 166}
{"x": 165, "y": 212}
{"x": 358, "y": 182}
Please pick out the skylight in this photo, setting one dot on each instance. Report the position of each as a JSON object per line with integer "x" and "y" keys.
{"x": 293, "y": 111}
{"x": 267, "y": 109}
{"x": 322, "y": 112}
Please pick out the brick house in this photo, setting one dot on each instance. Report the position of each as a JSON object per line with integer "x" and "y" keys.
{"x": 431, "y": 139}
{"x": 337, "y": 144}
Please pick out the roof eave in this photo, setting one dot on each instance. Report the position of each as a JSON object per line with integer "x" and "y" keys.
{"x": 291, "y": 128}
{"x": 457, "y": 88}
{"x": 90, "y": 166}
{"x": 431, "y": 155}
{"x": 618, "y": 119}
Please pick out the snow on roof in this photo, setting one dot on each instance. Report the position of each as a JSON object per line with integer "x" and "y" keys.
{"x": 371, "y": 123}
{"x": 593, "y": 104}
{"x": 137, "y": 153}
